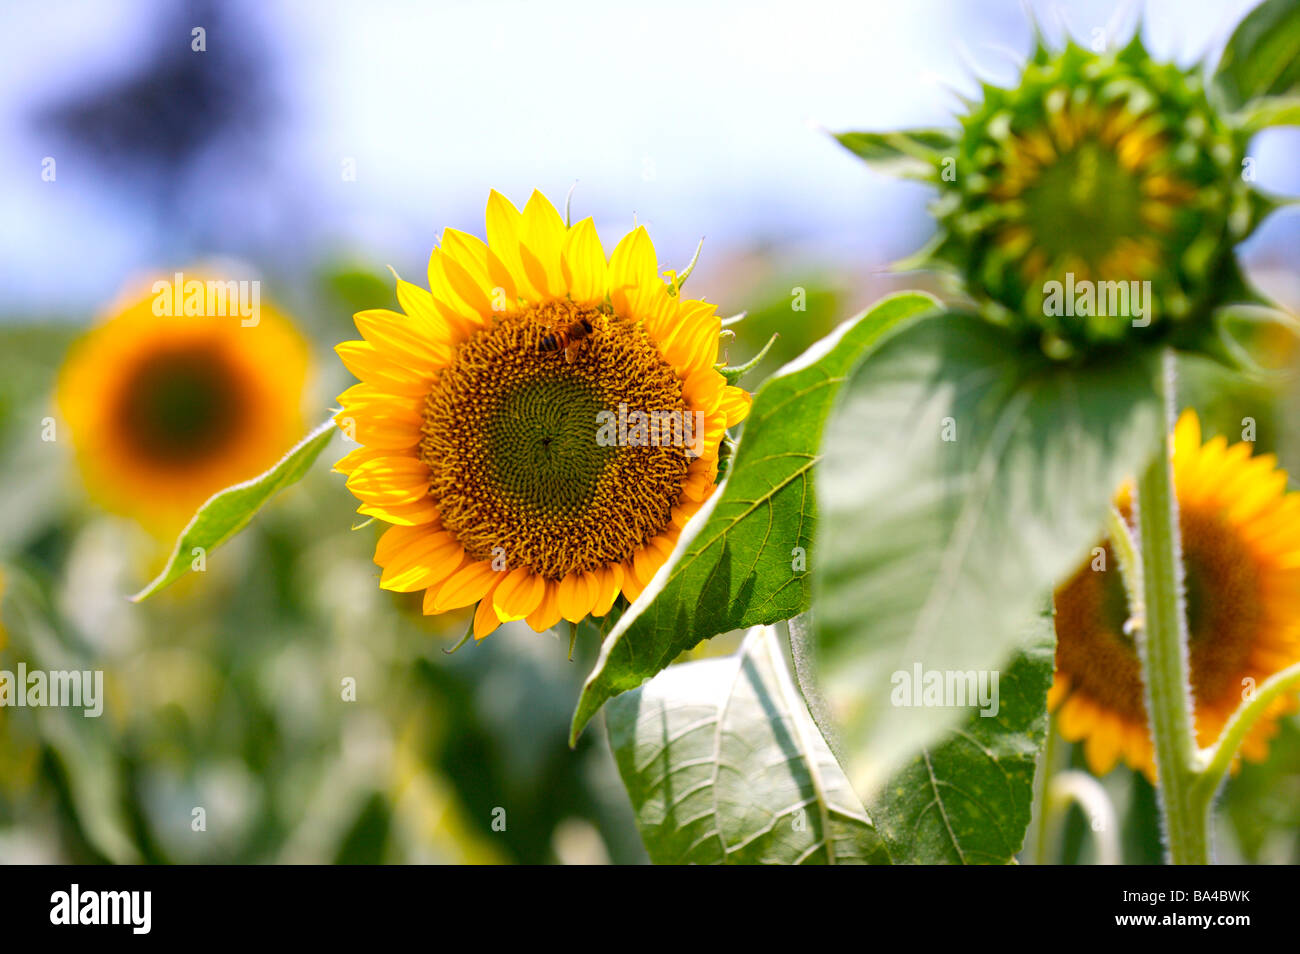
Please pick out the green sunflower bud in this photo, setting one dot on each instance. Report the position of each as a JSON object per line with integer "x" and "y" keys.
{"x": 1097, "y": 202}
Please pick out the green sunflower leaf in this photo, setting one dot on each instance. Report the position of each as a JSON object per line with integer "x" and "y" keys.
{"x": 1271, "y": 111}
{"x": 912, "y": 154}
{"x": 963, "y": 477}
{"x": 228, "y": 511}
{"x": 967, "y": 800}
{"x": 724, "y": 766}
{"x": 742, "y": 560}
{"x": 1262, "y": 57}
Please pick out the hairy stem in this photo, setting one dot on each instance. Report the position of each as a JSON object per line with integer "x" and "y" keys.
{"x": 1162, "y": 648}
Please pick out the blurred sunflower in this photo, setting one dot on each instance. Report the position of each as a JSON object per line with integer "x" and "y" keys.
{"x": 480, "y": 418}
{"x": 167, "y": 409}
{"x": 1241, "y": 551}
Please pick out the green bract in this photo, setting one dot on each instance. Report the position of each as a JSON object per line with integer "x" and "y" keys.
{"x": 1098, "y": 201}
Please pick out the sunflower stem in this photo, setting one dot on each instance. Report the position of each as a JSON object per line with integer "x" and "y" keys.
{"x": 1216, "y": 760}
{"x": 1162, "y": 649}
{"x": 1079, "y": 788}
{"x": 1043, "y": 831}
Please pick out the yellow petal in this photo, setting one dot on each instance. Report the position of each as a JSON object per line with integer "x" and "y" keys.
{"x": 735, "y": 404}
{"x": 485, "y": 617}
{"x": 446, "y": 297}
{"x": 404, "y": 341}
{"x": 368, "y": 364}
{"x": 583, "y": 264}
{"x": 632, "y": 586}
{"x": 633, "y": 273}
{"x": 467, "y": 585}
{"x": 610, "y": 579}
{"x": 575, "y": 597}
{"x": 470, "y": 284}
{"x": 519, "y": 593}
{"x": 413, "y": 514}
{"x": 390, "y": 480}
{"x": 503, "y": 223}
{"x": 355, "y": 458}
{"x": 694, "y": 344}
{"x": 421, "y": 562}
{"x": 1102, "y": 747}
{"x": 547, "y": 613}
{"x": 483, "y": 265}
{"x": 541, "y": 237}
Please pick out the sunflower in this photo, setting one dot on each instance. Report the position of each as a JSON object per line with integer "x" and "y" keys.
{"x": 1060, "y": 196}
{"x": 502, "y": 420}
{"x": 1241, "y": 552}
{"x": 166, "y": 407}
{"x": 1097, "y": 168}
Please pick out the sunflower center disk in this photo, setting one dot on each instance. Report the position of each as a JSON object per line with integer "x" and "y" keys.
{"x": 180, "y": 405}
{"x": 519, "y": 465}
{"x": 1223, "y": 621}
{"x": 1082, "y": 205}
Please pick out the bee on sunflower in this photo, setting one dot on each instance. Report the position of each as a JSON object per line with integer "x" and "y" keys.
{"x": 1241, "y": 555}
{"x": 480, "y": 410}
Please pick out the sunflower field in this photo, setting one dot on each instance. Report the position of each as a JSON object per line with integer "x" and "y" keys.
{"x": 935, "y": 508}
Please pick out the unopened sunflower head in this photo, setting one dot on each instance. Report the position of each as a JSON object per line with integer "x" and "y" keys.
{"x": 539, "y": 425}
{"x": 1097, "y": 201}
{"x": 1240, "y": 532}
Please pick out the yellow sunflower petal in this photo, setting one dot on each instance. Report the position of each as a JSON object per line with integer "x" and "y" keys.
{"x": 541, "y": 239}
{"x": 503, "y": 224}
{"x": 390, "y": 480}
{"x": 519, "y": 594}
{"x": 486, "y": 619}
{"x": 467, "y": 585}
{"x": 575, "y": 597}
{"x": 582, "y": 261}
{"x": 368, "y": 364}
{"x": 610, "y": 580}
{"x": 633, "y": 273}
{"x": 421, "y": 563}
{"x": 402, "y": 339}
{"x": 482, "y": 264}
{"x": 735, "y": 404}
{"x": 413, "y": 514}
{"x": 454, "y": 296}
{"x": 547, "y": 613}
{"x": 355, "y": 458}
{"x": 1103, "y": 745}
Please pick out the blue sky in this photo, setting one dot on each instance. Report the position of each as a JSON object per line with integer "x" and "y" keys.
{"x": 699, "y": 118}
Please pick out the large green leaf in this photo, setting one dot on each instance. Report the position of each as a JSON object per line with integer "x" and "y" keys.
{"x": 1262, "y": 57}
{"x": 912, "y": 154}
{"x": 963, "y": 476}
{"x": 229, "y": 511}
{"x": 741, "y": 560}
{"x": 724, "y": 765}
{"x": 967, "y": 800}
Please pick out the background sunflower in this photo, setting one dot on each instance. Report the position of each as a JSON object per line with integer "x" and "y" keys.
{"x": 164, "y": 410}
{"x": 1241, "y": 548}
